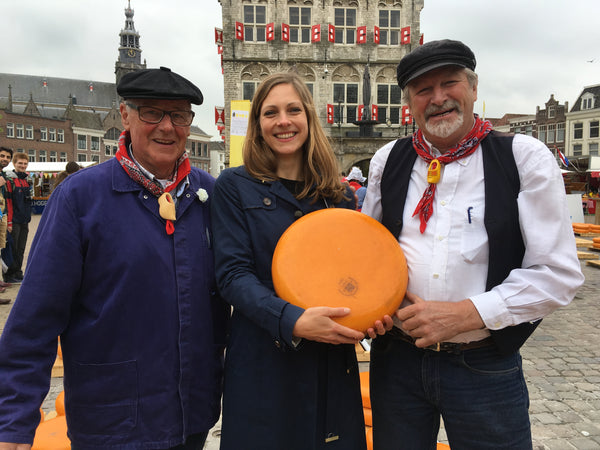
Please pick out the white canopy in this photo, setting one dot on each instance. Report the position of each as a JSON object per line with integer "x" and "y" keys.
{"x": 50, "y": 166}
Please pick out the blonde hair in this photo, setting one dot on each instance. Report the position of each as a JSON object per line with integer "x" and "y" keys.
{"x": 320, "y": 169}
{"x": 19, "y": 156}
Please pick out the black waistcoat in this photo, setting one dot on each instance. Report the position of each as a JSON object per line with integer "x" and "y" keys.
{"x": 501, "y": 220}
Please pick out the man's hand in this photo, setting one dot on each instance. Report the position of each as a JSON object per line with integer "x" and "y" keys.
{"x": 316, "y": 324}
{"x": 380, "y": 327}
{"x": 9, "y": 446}
{"x": 433, "y": 321}
{"x": 2, "y": 183}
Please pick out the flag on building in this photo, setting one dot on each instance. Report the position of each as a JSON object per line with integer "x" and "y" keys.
{"x": 563, "y": 158}
{"x": 285, "y": 32}
{"x": 374, "y": 112}
{"x": 362, "y": 35}
{"x": 406, "y": 116}
{"x": 270, "y": 32}
{"x": 376, "y": 34}
{"x": 218, "y": 36}
{"x": 239, "y": 31}
{"x": 405, "y": 36}
{"x": 331, "y": 33}
{"x": 329, "y": 113}
{"x": 315, "y": 33}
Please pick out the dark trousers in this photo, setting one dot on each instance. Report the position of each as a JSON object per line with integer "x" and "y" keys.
{"x": 193, "y": 442}
{"x": 20, "y": 231}
{"x": 480, "y": 394}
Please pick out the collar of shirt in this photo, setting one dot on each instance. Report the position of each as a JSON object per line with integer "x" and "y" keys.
{"x": 182, "y": 186}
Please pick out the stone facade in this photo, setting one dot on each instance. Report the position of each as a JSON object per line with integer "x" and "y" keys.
{"x": 583, "y": 128}
{"x": 334, "y": 71}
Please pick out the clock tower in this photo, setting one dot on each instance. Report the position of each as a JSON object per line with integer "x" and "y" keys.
{"x": 130, "y": 54}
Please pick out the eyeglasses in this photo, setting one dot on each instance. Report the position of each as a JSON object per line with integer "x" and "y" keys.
{"x": 150, "y": 114}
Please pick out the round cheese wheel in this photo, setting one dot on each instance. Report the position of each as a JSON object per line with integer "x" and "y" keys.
{"x": 341, "y": 258}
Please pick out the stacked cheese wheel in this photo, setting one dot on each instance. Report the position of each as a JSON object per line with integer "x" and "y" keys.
{"x": 583, "y": 228}
{"x": 596, "y": 243}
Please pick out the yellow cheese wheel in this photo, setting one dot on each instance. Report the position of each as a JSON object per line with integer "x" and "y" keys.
{"x": 52, "y": 435}
{"x": 341, "y": 258}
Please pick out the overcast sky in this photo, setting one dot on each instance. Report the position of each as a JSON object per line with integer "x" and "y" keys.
{"x": 526, "y": 50}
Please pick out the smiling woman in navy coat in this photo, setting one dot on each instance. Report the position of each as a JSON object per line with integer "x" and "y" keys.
{"x": 291, "y": 376}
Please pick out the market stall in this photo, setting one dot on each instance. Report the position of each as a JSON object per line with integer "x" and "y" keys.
{"x": 43, "y": 175}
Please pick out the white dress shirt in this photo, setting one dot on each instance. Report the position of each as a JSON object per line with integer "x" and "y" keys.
{"x": 449, "y": 261}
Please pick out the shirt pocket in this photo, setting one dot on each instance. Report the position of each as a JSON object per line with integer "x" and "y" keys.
{"x": 102, "y": 399}
{"x": 474, "y": 240}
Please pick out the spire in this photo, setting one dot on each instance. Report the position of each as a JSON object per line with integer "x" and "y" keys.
{"x": 31, "y": 109}
{"x": 130, "y": 39}
{"x": 130, "y": 53}
{"x": 9, "y": 104}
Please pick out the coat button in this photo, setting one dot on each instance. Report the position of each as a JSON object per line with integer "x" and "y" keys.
{"x": 145, "y": 197}
{"x": 277, "y": 344}
{"x": 267, "y": 201}
{"x": 298, "y": 214}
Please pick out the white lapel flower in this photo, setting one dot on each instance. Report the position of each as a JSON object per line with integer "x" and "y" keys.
{"x": 202, "y": 195}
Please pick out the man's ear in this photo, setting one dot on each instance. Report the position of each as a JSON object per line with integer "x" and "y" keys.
{"x": 124, "y": 116}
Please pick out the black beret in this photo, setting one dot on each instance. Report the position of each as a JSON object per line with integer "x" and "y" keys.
{"x": 162, "y": 84}
{"x": 432, "y": 55}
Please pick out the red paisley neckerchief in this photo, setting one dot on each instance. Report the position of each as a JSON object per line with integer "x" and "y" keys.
{"x": 464, "y": 148}
{"x": 182, "y": 169}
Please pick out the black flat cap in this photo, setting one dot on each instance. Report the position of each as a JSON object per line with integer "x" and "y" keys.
{"x": 160, "y": 84}
{"x": 432, "y": 55}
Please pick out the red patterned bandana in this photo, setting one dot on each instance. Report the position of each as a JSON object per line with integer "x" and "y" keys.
{"x": 464, "y": 148}
{"x": 182, "y": 169}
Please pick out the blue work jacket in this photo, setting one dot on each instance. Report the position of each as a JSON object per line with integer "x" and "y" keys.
{"x": 276, "y": 395}
{"x": 141, "y": 326}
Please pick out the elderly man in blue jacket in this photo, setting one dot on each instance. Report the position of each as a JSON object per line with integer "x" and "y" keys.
{"x": 121, "y": 269}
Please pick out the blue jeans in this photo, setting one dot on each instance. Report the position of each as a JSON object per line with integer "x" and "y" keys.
{"x": 480, "y": 394}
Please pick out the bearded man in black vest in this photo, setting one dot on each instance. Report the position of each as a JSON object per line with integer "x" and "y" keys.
{"x": 483, "y": 221}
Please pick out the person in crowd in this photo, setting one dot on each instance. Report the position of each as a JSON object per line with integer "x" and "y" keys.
{"x": 19, "y": 205}
{"x": 121, "y": 269}
{"x": 291, "y": 375}
{"x": 483, "y": 222}
{"x": 356, "y": 180}
{"x": 6, "y": 155}
{"x": 70, "y": 168}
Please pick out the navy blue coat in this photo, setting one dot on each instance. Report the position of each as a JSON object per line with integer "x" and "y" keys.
{"x": 276, "y": 396}
{"x": 142, "y": 328}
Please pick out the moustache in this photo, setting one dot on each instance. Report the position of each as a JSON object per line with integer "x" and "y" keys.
{"x": 446, "y": 106}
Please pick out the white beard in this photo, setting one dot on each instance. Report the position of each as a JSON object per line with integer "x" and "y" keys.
{"x": 445, "y": 128}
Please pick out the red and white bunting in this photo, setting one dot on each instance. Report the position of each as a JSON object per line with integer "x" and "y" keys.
{"x": 219, "y": 49}
{"x": 361, "y": 32}
{"x": 405, "y": 36}
{"x": 285, "y": 32}
{"x": 270, "y": 32}
{"x": 361, "y": 110}
{"x": 331, "y": 33}
{"x": 239, "y": 31}
{"x": 376, "y": 34}
{"x": 421, "y": 40}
